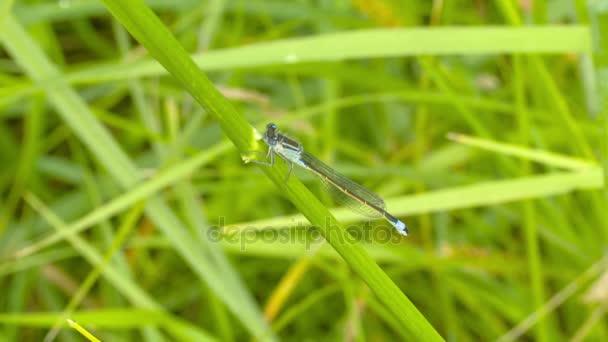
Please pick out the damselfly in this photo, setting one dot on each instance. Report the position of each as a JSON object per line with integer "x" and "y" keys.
{"x": 347, "y": 192}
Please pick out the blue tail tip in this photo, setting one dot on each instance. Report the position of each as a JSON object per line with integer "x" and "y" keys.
{"x": 402, "y": 228}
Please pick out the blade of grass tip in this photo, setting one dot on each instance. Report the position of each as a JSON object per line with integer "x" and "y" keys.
{"x": 147, "y": 28}
{"x": 540, "y": 156}
{"x": 84, "y": 332}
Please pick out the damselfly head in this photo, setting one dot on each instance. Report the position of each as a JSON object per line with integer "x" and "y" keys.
{"x": 271, "y": 134}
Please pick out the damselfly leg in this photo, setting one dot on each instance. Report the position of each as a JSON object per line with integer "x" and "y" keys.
{"x": 269, "y": 155}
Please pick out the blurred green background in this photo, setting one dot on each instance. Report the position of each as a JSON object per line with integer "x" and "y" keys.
{"x": 180, "y": 240}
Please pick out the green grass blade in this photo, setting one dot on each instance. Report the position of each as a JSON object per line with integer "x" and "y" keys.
{"x": 148, "y": 30}
{"x": 109, "y": 318}
{"x": 367, "y": 44}
{"x": 356, "y": 45}
{"x": 540, "y": 156}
